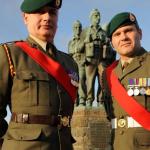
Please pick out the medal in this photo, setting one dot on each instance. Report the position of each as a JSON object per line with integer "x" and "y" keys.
{"x": 130, "y": 91}
{"x": 148, "y": 82}
{"x": 148, "y": 91}
{"x": 142, "y": 83}
{"x": 136, "y": 91}
{"x": 148, "y": 86}
{"x": 142, "y": 91}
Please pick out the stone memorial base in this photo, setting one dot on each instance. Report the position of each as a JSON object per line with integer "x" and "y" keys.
{"x": 90, "y": 128}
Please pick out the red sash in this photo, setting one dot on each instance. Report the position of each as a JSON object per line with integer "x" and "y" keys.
{"x": 129, "y": 104}
{"x": 51, "y": 67}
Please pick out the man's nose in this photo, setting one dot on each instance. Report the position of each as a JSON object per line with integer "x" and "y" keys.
{"x": 47, "y": 15}
{"x": 123, "y": 36}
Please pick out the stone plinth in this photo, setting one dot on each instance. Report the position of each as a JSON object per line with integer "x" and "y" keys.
{"x": 90, "y": 128}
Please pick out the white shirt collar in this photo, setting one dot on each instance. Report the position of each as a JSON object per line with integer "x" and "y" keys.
{"x": 128, "y": 61}
{"x": 40, "y": 42}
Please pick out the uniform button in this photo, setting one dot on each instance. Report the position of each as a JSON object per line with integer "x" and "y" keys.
{"x": 121, "y": 132}
{"x": 120, "y": 117}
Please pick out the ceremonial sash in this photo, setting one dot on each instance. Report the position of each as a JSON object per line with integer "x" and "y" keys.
{"x": 129, "y": 104}
{"x": 51, "y": 67}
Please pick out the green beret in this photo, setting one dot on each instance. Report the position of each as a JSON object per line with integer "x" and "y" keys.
{"x": 29, "y": 6}
{"x": 121, "y": 19}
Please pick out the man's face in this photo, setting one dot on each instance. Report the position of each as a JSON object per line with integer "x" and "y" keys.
{"x": 77, "y": 29}
{"x": 43, "y": 23}
{"x": 95, "y": 18}
{"x": 126, "y": 40}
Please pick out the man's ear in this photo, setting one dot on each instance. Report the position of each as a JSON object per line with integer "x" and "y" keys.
{"x": 140, "y": 33}
{"x": 25, "y": 17}
{"x": 111, "y": 44}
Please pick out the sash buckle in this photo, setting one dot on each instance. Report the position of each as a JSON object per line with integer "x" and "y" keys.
{"x": 121, "y": 123}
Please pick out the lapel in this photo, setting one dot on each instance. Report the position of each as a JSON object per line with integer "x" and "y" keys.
{"x": 60, "y": 59}
{"x": 118, "y": 70}
{"x": 135, "y": 64}
{"x": 34, "y": 44}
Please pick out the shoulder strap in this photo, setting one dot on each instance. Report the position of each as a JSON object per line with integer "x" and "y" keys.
{"x": 10, "y": 62}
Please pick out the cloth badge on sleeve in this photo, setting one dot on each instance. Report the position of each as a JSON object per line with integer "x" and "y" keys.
{"x": 74, "y": 78}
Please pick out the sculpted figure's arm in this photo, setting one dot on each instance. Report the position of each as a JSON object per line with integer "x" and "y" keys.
{"x": 80, "y": 47}
{"x": 70, "y": 48}
{"x": 88, "y": 36}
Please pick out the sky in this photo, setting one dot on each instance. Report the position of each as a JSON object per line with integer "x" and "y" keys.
{"x": 12, "y": 26}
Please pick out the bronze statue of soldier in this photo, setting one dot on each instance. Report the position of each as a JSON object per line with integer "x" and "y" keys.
{"x": 95, "y": 40}
{"x": 76, "y": 50}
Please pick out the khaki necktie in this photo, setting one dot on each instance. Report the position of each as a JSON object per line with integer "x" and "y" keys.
{"x": 49, "y": 49}
{"x": 125, "y": 66}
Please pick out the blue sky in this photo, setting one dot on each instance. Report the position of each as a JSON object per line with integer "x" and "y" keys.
{"x": 12, "y": 26}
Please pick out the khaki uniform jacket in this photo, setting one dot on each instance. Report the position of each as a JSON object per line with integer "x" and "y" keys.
{"x": 34, "y": 92}
{"x": 136, "y": 138}
{"x": 76, "y": 50}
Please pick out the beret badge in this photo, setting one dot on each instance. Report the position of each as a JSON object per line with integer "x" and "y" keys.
{"x": 57, "y": 3}
{"x": 132, "y": 17}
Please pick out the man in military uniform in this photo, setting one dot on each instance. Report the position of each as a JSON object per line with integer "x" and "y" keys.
{"x": 95, "y": 39}
{"x": 37, "y": 82}
{"x": 76, "y": 50}
{"x": 127, "y": 92}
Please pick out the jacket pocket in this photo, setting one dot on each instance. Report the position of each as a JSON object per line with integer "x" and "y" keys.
{"x": 142, "y": 138}
{"x": 30, "y": 88}
{"x": 23, "y": 134}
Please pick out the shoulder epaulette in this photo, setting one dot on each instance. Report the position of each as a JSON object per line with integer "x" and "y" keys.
{"x": 11, "y": 42}
{"x": 11, "y": 66}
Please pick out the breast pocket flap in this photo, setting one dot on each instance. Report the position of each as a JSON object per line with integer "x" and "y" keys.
{"x": 32, "y": 75}
{"x": 25, "y": 135}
